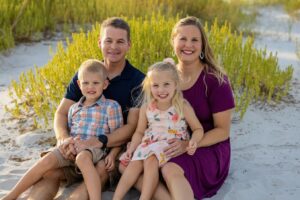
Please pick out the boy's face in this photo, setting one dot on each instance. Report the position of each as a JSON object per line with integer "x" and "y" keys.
{"x": 92, "y": 85}
{"x": 114, "y": 44}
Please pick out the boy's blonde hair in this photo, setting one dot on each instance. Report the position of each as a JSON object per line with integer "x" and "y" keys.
{"x": 93, "y": 66}
{"x": 177, "y": 99}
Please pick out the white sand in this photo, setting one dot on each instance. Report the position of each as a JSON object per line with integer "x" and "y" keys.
{"x": 265, "y": 144}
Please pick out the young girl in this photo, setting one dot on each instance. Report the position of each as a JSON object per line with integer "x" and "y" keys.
{"x": 163, "y": 116}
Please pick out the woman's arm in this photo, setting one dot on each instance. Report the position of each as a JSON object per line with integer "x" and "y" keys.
{"x": 221, "y": 130}
{"x": 193, "y": 122}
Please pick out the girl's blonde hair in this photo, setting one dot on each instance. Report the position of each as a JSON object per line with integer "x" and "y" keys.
{"x": 177, "y": 99}
{"x": 210, "y": 64}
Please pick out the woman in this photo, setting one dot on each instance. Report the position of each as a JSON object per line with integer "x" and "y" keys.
{"x": 207, "y": 88}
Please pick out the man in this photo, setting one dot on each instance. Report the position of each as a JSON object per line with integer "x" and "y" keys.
{"x": 125, "y": 80}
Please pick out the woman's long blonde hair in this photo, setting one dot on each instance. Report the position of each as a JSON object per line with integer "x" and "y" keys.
{"x": 210, "y": 64}
{"x": 177, "y": 99}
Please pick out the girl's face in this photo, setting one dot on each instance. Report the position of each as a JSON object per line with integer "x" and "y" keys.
{"x": 187, "y": 44}
{"x": 92, "y": 85}
{"x": 162, "y": 86}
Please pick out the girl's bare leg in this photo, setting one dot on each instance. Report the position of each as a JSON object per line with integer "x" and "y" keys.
{"x": 90, "y": 176}
{"x": 34, "y": 174}
{"x": 151, "y": 175}
{"x": 177, "y": 184}
{"x": 128, "y": 179}
{"x": 160, "y": 193}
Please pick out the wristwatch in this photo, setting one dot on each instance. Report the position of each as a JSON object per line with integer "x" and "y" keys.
{"x": 104, "y": 140}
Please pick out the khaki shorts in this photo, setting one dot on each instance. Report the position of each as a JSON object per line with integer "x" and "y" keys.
{"x": 71, "y": 171}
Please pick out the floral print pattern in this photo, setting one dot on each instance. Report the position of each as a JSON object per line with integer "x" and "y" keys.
{"x": 162, "y": 126}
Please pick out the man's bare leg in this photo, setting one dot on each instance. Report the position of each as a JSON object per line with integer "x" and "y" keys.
{"x": 48, "y": 186}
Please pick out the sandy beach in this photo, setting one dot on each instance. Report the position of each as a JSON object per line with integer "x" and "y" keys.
{"x": 265, "y": 163}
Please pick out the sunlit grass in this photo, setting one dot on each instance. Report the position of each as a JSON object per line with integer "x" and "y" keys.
{"x": 31, "y": 19}
{"x": 254, "y": 74}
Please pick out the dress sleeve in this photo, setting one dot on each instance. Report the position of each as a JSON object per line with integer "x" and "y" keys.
{"x": 115, "y": 117}
{"x": 73, "y": 91}
{"x": 221, "y": 96}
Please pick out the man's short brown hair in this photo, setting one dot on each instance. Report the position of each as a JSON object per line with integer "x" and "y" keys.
{"x": 116, "y": 22}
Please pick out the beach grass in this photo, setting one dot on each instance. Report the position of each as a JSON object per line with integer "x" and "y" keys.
{"x": 254, "y": 74}
{"x": 31, "y": 20}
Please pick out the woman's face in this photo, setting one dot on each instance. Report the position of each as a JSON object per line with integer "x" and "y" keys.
{"x": 187, "y": 44}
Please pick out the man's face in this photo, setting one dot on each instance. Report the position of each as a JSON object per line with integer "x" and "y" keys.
{"x": 114, "y": 44}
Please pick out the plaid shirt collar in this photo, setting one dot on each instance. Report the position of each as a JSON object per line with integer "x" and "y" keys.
{"x": 100, "y": 101}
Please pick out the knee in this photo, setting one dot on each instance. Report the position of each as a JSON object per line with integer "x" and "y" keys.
{"x": 151, "y": 162}
{"x": 49, "y": 161}
{"x": 122, "y": 168}
{"x": 82, "y": 158}
{"x": 170, "y": 171}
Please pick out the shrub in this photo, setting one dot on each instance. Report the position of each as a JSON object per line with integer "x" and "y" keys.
{"x": 254, "y": 75}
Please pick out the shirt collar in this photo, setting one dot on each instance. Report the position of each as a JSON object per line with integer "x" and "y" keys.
{"x": 100, "y": 101}
{"x": 125, "y": 74}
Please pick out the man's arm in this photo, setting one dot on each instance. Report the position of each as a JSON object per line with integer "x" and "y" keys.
{"x": 124, "y": 134}
{"x": 61, "y": 119}
{"x": 120, "y": 135}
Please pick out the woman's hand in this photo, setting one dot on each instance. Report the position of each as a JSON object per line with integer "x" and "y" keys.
{"x": 176, "y": 147}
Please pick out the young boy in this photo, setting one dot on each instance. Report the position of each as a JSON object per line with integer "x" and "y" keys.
{"x": 92, "y": 116}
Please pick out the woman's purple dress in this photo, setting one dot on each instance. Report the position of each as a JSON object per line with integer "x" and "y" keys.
{"x": 208, "y": 168}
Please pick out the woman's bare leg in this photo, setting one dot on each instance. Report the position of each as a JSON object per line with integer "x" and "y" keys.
{"x": 177, "y": 184}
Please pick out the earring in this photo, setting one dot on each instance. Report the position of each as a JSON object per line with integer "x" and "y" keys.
{"x": 201, "y": 56}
